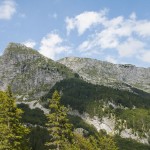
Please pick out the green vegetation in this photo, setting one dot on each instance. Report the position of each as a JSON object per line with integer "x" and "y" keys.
{"x": 59, "y": 133}
{"x": 58, "y": 125}
{"x": 128, "y": 144}
{"x": 13, "y": 134}
{"x": 79, "y": 123}
{"x": 33, "y": 116}
{"x": 137, "y": 119}
{"x": 131, "y": 108}
{"x": 80, "y": 95}
{"x": 39, "y": 136}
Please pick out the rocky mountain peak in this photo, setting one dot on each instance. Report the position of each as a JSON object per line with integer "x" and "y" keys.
{"x": 16, "y": 47}
{"x": 29, "y": 73}
{"x": 105, "y": 73}
{"x": 16, "y": 52}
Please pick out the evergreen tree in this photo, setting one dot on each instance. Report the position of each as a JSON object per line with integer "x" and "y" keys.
{"x": 58, "y": 125}
{"x": 12, "y": 133}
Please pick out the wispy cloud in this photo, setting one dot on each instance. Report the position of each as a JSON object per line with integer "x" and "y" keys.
{"x": 130, "y": 47}
{"x": 52, "y": 45}
{"x": 145, "y": 56}
{"x": 111, "y": 59}
{"x": 7, "y": 9}
{"x": 84, "y": 21}
{"x": 129, "y": 37}
{"x": 30, "y": 43}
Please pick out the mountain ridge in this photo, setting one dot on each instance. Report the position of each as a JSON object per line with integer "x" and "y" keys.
{"x": 28, "y": 72}
{"x": 109, "y": 74}
{"x": 84, "y": 85}
{"x": 88, "y": 58}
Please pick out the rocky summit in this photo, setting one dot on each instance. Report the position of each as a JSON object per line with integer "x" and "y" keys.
{"x": 29, "y": 74}
{"x": 115, "y": 75}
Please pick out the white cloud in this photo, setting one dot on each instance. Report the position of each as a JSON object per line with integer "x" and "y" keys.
{"x": 142, "y": 28}
{"x": 52, "y": 45}
{"x": 84, "y": 21}
{"x": 128, "y": 36}
{"x": 86, "y": 46}
{"x": 109, "y": 36}
{"x": 29, "y": 43}
{"x": 111, "y": 59}
{"x": 7, "y": 9}
{"x": 115, "y": 22}
{"x": 130, "y": 47}
{"x": 107, "y": 39}
{"x": 145, "y": 56}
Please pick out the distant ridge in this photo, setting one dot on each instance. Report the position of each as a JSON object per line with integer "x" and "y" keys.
{"x": 116, "y": 75}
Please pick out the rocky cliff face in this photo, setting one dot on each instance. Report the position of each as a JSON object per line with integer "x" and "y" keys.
{"x": 101, "y": 72}
{"x": 29, "y": 73}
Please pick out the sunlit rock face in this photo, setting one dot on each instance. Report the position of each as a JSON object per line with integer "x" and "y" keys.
{"x": 114, "y": 75}
{"x": 28, "y": 72}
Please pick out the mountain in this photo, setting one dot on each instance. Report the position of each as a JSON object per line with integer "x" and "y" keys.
{"x": 86, "y": 89}
{"x": 114, "y": 75}
{"x": 29, "y": 73}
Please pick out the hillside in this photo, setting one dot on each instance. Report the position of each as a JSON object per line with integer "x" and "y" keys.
{"x": 101, "y": 96}
{"x": 114, "y": 75}
{"x": 116, "y": 111}
{"x": 38, "y": 135}
{"x": 29, "y": 73}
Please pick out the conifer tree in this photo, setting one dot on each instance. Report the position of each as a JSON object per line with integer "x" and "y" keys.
{"x": 58, "y": 125}
{"x": 12, "y": 132}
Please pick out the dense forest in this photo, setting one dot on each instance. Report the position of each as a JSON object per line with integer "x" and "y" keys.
{"x": 57, "y": 133}
{"x": 133, "y": 107}
{"x": 79, "y": 94}
{"x": 58, "y": 130}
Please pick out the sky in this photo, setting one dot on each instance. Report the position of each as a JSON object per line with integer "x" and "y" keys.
{"x": 117, "y": 31}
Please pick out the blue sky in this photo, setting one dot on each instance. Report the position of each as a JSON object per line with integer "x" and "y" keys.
{"x": 117, "y": 31}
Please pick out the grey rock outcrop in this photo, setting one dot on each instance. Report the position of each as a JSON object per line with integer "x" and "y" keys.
{"x": 29, "y": 73}
{"x": 115, "y": 75}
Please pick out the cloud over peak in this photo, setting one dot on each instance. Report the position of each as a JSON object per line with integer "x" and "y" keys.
{"x": 29, "y": 43}
{"x": 52, "y": 45}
